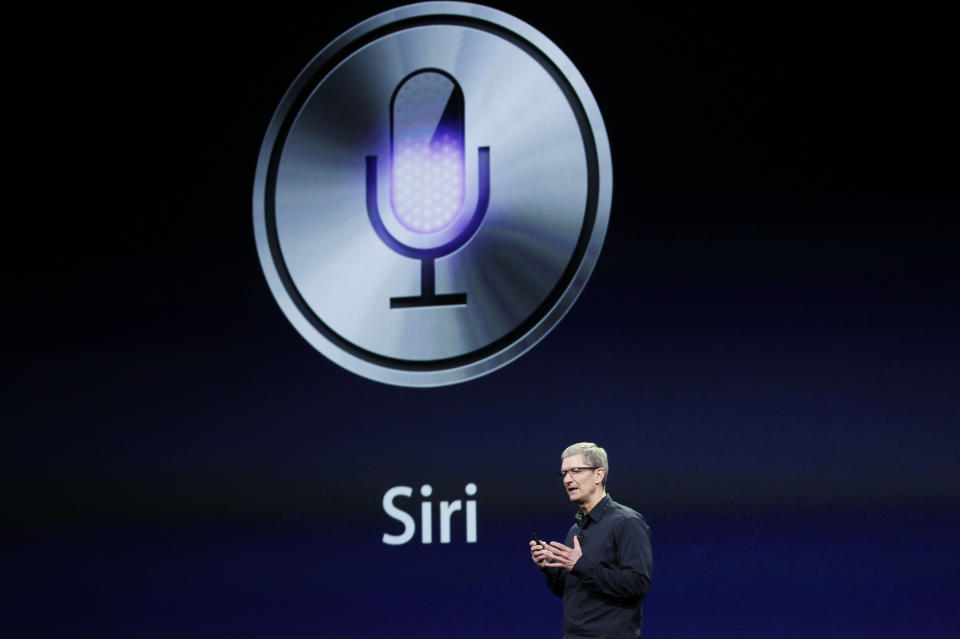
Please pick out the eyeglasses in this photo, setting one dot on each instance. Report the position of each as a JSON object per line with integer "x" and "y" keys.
{"x": 576, "y": 470}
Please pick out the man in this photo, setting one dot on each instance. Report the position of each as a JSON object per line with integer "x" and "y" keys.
{"x": 603, "y": 570}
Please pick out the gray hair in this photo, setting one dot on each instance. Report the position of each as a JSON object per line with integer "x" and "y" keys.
{"x": 593, "y": 454}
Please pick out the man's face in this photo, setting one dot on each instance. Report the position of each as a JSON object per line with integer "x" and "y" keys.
{"x": 582, "y": 487}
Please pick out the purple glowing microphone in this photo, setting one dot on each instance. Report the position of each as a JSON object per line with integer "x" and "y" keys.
{"x": 427, "y": 176}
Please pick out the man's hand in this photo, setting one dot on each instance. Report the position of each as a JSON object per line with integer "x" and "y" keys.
{"x": 563, "y": 556}
{"x": 539, "y": 554}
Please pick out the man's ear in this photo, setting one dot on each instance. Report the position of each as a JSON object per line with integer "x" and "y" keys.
{"x": 602, "y": 476}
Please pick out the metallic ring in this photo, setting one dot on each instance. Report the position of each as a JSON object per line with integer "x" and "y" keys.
{"x": 459, "y": 302}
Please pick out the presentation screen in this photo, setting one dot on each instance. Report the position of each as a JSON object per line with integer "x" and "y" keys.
{"x": 301, "y": 336}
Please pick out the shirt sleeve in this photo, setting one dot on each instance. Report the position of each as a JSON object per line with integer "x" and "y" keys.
{"x": 630, "y": 578}
{"x": 554, "y": 580}
{"x": 556, "y": 576}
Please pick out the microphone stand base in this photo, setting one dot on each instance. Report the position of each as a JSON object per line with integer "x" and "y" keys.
{"x": 425, "y": 301}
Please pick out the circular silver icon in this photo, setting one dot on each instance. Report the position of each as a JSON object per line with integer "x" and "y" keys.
{"x": 432, "y": 194}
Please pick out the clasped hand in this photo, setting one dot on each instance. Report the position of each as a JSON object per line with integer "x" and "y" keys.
{"x": 555, "y": 554}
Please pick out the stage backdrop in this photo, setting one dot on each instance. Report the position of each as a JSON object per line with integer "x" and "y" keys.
{"x": 767, "y": 347}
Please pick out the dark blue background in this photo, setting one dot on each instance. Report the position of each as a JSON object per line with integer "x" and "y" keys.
{"x": 767, "y": 347}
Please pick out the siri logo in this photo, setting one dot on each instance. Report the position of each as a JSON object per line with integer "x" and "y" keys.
{"x": 432, "y": 194}
{"x": 446, "y": 511}
{"x": 426, "y": 177}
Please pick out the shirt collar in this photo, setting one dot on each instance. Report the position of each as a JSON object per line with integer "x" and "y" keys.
{"x": 596, "y": 513}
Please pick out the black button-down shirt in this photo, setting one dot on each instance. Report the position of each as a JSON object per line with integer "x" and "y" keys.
{"x": 603, "y": 594}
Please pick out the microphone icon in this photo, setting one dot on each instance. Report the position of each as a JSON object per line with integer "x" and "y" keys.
{"x": 427, "y": 179}
{"x": 373, "y": 213}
